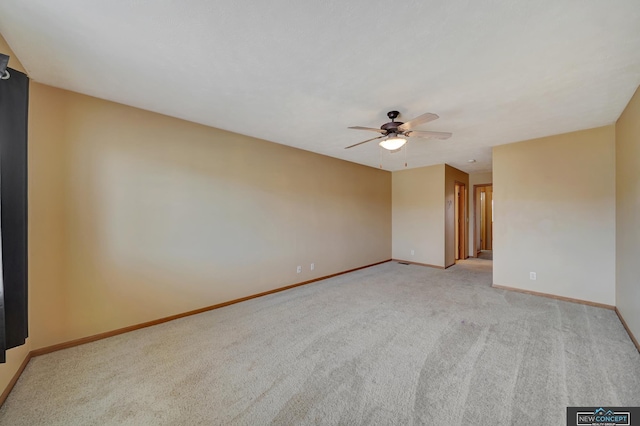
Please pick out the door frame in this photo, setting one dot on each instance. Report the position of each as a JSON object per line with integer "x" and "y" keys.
{"x": 461, "y": 244}
{"x": 476, "y": 243}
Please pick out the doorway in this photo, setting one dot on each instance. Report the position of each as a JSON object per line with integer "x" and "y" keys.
{"x": 460, "y": 220}
{"x": 483, "y": 220}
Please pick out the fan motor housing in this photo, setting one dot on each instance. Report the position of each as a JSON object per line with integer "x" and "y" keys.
{"x": 391, "y": 126}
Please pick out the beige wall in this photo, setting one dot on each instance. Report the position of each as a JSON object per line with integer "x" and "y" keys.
{"x": 418, "y": 215}
{"x": 17, "y": 355}
{"x": 554, "y": 214}
{"x": 47, "y": 219}
{"x": 424, "y": 215}
{"x": 453, "y": 175}
{"x": 475, "y": 179}
{"x": 164, "y": 216}
{"x": 628, "y": 214}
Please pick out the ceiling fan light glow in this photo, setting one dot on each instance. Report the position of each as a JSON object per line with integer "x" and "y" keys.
{"x": 393, "y": 143}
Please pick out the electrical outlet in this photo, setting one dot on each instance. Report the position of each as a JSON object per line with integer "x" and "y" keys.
{"x": 299, "y": 269}
{"x": 413, "y": 252}
{"x": 313, "y": 266}
{"x": 532, "y": 276}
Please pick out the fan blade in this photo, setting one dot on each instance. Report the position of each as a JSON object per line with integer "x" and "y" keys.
{"x": 421, "y": 119}
{"x": 368, "y": 140}
{"x": 368, "y": 128}
{"x": 428, "y": 135}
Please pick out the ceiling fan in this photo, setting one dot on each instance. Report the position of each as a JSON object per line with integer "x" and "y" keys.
{"x": 394, "y": 133}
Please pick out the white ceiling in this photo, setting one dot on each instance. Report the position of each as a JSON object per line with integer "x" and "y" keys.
{"x": 300, "y": 72}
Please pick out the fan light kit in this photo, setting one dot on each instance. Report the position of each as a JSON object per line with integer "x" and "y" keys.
{"x": 394, "y": 133}
{"x": 393, "y": 143}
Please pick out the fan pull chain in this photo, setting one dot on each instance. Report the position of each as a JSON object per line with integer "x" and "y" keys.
{"x": 380, "y": 151}
{"x": 406, "y": 148}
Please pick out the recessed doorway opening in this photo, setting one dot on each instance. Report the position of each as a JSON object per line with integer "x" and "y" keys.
{"x": 483, "y": 221}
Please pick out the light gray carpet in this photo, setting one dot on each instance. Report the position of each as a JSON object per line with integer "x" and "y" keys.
{"x": 391, "y": 344}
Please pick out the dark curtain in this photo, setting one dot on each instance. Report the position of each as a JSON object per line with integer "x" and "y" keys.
{"x": 14, "y": 104}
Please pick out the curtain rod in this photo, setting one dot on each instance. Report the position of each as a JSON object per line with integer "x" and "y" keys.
{"x": 4, "y": 61}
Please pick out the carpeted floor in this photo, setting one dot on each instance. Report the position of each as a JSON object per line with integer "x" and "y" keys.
{"x": 390, "y": 344}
